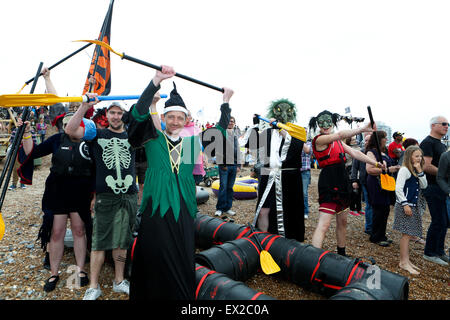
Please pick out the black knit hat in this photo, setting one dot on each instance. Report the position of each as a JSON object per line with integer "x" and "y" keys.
{"x": 175, "y": 102}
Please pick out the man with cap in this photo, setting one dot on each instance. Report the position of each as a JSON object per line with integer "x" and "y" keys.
{"x": 115, "y": 192}
{"x": 163, "y": 265}
{"x": 396, "y": 148}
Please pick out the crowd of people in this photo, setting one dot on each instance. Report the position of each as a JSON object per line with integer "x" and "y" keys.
{"x": 126, "y": 180}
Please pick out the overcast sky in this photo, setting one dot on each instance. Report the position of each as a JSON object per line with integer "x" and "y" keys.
{"x": 392, "y": 55}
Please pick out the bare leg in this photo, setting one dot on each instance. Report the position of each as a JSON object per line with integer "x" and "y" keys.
{"x": 321, "y": 229}
{"x": 119, "y": 256}
{"x": 79, "y": 239}
{"x": 341, "y": 229}
{"x": 97, "y": 259}
{"x": 56, "y": 245}
{"x": 404, "y": 255}
{"x": 263, "y": 219}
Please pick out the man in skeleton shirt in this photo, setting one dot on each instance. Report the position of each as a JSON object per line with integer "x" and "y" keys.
{"x": 115, "y": 193}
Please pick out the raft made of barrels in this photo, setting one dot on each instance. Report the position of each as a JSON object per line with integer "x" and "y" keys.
{"x": 360, "y": 290}
{"x": 238, "y": 259}
{"x": 210, "y": 231}
{"x": 312, "y": 268}
{"x": 212, "y": 285}
{"x": 326, "y": 272}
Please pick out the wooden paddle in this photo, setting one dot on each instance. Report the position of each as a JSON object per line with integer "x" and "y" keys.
{"x": 387, "y": 181}
{"x": 268, "y": 265}
{"x": 150, "y": 65}
{"x": 293, "y": 129}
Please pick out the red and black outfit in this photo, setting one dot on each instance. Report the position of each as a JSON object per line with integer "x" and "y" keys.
{"x": 334, "y": 184}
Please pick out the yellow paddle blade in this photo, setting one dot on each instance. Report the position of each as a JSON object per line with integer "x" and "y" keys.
{"x": 2, "y": 227}
{"x": 20, "y": 100}
{"x": 103, "y": 44}
{"x": 387, "y": 182}
{"x": 294, "y": 130}
{"x": 268, "y": 265}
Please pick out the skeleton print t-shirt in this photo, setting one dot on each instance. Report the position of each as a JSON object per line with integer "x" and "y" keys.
{"x": 114, "y": 163}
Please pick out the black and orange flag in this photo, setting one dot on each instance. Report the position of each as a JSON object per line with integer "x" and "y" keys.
{"x": 101, "y": 63}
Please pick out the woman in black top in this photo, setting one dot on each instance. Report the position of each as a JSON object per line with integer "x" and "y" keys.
{"x": 68, "y": 193}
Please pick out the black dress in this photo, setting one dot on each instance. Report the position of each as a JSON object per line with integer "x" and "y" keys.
{"x": 281, "y": 188}
{"x": 62, "y": 194}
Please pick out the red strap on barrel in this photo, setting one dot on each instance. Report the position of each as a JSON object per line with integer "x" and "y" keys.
{"x": 351, "y": 273}
{"x": 256, "y": 296}
{"x": 269, "y": 244}
{"x": 201, "y": 282}
{"x": 265, "y": 238}
{"x": 217, "y": 229}
{"x": 243, "y": 232}
{"x": 318, "y": 265}
{"x": 254, "y": 245}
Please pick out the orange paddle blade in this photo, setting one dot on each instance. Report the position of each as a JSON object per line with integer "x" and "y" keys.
{"x": 2, "y": 227}
{"x": 387, "y": 182}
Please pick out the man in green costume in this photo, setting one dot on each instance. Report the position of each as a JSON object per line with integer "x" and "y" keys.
{"x": 163, "y": 253}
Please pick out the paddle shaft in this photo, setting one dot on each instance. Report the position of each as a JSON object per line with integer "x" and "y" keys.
{"x": 375, "y": 134}
{"x": 179, "y": 75}
{"x": 61, "y": 61}
{"x": 256, "y": 237}
{"x": 267, "y": 120}
{"x": 9, "y": 166}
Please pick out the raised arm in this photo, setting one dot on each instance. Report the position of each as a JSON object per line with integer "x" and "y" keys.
{"x": 225, "y": 111}
{"x": 48, "y": 82}
{"x": 325, "y": 140}
{"x": 73, "y": 128}
{"x": 27, "y": 142}
{"x": 149, "y": 98}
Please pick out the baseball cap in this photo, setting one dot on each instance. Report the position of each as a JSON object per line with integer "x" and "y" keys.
{"x": 396, "y": 134}
{"x": 116, "y": 104}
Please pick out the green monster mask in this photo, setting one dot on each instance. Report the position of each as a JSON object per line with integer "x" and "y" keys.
{"x": 325, "y": 121}
{"x": 282, "y": 110}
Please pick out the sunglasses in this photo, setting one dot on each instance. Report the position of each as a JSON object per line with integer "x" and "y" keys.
{"x": 444, "y": 124}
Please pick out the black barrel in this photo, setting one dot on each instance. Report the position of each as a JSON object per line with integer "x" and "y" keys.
{"x": 359, "y": 290}
{"x": 325, "y": 272}
{"x": 238, "y": 259}
{"x": 211, "y": 285}
{"x": 211, "y": 231}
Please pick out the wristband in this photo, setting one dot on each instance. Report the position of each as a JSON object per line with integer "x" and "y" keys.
{"x": 376, "y": 164}
{"x": 27, "y": 137}
{"x": 153, "y": 112}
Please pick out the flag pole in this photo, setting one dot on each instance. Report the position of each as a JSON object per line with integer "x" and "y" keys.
{"x": 97, "y": 47}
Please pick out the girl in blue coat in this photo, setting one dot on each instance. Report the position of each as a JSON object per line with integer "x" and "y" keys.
{"x": 410, "y": 204}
